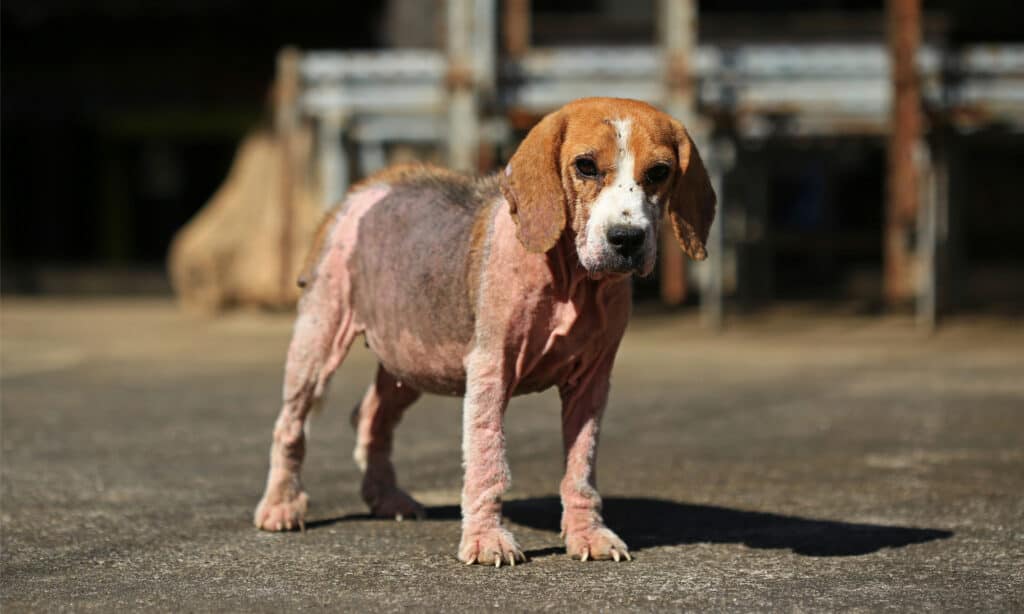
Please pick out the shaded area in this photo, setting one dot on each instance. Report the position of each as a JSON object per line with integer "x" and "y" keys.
{"x": 649, "y": 523}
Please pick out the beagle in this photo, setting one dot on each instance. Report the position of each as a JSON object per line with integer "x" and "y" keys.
{"x": 489, "y": 288}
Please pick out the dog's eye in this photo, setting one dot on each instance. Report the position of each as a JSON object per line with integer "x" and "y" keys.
{"x": 586, "y": 167}
{"x": 657, "y": 173}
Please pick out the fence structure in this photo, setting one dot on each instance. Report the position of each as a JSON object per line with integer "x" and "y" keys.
{"x": 463, "y": 96}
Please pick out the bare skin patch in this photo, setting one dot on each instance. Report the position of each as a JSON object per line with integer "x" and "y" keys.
{"x": 414, "y": 302}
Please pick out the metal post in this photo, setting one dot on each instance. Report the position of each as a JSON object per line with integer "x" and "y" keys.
{"x": 678, "y": 34}
{"x": 333, "y": 161}
{"x": 932, "y": 229}
{"x": 926, "y": 241}
{"x": 463, "y": 129}
{"x": 720, "y": 160}
{"x": 484, "y": 46}
{"x": 904, "y": 31}
{"x": 678, "y": 22}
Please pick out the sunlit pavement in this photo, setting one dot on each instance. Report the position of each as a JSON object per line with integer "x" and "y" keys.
{"x": 794, "y": 462}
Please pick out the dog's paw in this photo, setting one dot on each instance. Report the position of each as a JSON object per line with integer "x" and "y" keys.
{"x": 596, "y": 543}
{"x": 490, "y": 547}
{"x": 396, "y": 503}
{"x": 277, "y": 515}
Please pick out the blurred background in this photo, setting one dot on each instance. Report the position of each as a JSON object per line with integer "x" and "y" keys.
{"x": 867, "y": 154}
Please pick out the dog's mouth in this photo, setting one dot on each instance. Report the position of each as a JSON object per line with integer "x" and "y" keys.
{"x": 626, "y": 264}
{"x": 618, "y": 265}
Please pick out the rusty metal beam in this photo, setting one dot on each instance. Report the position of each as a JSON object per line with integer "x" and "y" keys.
{"x": 678, "y": 22}
{"x": 904, "y": 33}
{"x": 516, "y": 24}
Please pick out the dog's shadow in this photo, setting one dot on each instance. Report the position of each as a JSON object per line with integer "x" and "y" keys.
{"x": 647, "y": 523}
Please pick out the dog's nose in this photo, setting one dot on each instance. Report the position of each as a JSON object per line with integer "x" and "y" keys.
{"x": 627, "y": 240}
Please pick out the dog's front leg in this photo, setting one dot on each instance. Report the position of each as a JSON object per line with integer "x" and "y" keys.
{"x": 583, "y": 402}
{"x": 487, "y": 476}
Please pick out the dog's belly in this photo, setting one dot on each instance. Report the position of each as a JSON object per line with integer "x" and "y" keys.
{"x": 442, "y": 382}
{"x": 434, "y": 369}
{"x": 410, "y": 288}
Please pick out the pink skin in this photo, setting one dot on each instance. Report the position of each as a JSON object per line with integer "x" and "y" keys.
{"x": 323, "y": 333}
{"x": 547, "y": 325}
{"x": 539, "y": 320}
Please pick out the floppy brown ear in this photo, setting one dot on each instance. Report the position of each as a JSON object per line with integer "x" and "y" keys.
{"x": 691, "y": 207}
{"x": 532, "y": 185}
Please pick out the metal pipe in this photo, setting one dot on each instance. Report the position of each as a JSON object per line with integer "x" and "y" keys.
{"x": 462, "y": 104}
{"x": 678, "y": 34}
{"x": 905, "y": 125}
{"x": 332, "y": 158}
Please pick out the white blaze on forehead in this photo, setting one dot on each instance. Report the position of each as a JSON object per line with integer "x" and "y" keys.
{"x": 625, "y": 161}
{"x": 621, "y": 202}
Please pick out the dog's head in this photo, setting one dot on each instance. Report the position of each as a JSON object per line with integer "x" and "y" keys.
{"x": 609, "y": 169}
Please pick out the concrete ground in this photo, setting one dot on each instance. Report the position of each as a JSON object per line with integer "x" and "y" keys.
{"x": 796, "y": 462}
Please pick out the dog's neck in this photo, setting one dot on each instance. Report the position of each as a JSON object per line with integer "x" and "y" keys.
{"x": 573, "y": 282}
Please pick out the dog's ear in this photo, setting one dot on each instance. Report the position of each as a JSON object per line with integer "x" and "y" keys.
{"x": 691, "y": 206}
{"x": 532, "y": 185}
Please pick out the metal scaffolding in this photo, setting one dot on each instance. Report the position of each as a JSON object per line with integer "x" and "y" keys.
{"x": 459, "y": 97}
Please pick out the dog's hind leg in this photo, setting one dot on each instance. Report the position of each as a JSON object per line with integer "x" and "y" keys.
{"x": 316, "y": 351}
{"x": 375, "y": 419}
{"x": 324, "y": 331}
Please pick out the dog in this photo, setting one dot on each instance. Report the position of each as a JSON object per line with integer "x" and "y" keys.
{"x": 487, "y": 288}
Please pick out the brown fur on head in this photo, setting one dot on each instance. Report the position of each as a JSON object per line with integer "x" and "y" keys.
{"x": 607, "y": 164}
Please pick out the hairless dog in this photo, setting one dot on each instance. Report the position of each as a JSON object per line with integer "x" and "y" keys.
{"x": 488, "y": 288}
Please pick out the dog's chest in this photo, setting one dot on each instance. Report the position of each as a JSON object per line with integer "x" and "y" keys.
{"x": 569, "y": 337}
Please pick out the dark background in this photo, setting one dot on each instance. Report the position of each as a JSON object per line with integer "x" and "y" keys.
{"x": 120, "y": 119}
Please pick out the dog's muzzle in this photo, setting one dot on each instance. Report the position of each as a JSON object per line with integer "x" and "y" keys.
{"x": 627, "y": 241}
{"x": 626, "y": 245}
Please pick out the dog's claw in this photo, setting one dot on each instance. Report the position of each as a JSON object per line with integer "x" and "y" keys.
{"x": 597, "y": 544}
{"x": 494, "y": 546}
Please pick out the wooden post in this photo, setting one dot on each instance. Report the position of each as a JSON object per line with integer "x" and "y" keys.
{"x": 516, "y": 28}
{"x": 904, "y": 33}
{"x": 286, "y": 122}
{"x": 678, "y": 21}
